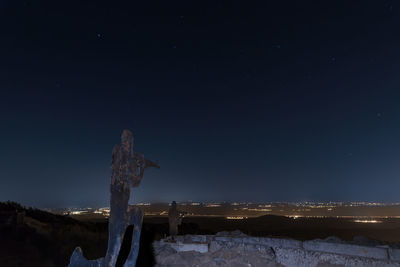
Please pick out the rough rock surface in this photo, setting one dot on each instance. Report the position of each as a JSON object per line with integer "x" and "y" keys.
{"x": 238, "y": 249}
{"x": 239, "y": 256}
{"x": 127, "y": 171}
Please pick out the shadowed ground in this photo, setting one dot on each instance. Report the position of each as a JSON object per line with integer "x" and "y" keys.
{"x": 45, "y": 239}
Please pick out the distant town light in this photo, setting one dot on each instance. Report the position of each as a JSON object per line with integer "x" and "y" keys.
{"x": 367, "y": 221}
{"x": 236, "y": 217}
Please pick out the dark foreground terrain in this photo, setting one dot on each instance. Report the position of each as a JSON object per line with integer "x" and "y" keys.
{"x": 31, "y": 237}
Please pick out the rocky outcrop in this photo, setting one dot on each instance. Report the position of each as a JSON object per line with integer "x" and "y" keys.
{"x": 237, "y": 249}
{"x": 127, "y": 171}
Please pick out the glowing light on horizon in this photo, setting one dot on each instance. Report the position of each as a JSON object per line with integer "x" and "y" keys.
{"x": 213, "y": 205}
{"x": 367, "y": 221}
{"x": 143, "y": 204}
{"x": 259, "y": 209}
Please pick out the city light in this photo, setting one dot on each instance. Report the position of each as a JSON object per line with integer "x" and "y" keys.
{"x": 367, "y": 221}
{"x": 236, "y": 217}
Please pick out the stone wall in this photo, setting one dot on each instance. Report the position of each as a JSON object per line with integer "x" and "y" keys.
{"x": 237, "y": 249}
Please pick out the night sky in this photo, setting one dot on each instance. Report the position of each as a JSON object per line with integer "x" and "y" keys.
{"x": 236, "y": 100}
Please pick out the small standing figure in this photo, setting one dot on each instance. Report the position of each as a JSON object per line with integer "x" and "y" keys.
{"x": 175, "y": 219}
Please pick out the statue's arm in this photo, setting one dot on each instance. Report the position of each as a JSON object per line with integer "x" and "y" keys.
{"x": 182, "y": 213}
{"x": 144, "y": 163}
{"x": 141, "y": 163}
{"x": 148, "y": 163}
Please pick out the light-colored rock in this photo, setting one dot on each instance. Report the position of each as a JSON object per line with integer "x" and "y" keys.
{"x": 237, "y": 249}
{"x": 347, "y": 249}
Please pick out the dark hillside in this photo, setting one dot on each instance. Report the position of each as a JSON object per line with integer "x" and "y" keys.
{"x": 32, "y": 237}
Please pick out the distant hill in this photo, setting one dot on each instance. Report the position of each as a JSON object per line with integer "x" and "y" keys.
{"x": 32, "y": 237}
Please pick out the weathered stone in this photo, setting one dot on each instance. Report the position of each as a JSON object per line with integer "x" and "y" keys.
{"x": 127, "y": 169}
{"x": 347, "y": 249}
{"x": 225, "y": 250}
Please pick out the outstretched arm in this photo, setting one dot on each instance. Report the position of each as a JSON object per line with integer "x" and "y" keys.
{"x": 144, "y": 163}
{"x": 148, "y": 163}
{"x": 141, "y": 163}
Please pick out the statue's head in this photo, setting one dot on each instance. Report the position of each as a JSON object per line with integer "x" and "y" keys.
{"x": 127, "y": 140}
{"x": 173, "y": 204}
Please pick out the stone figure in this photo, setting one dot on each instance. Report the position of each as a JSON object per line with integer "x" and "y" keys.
{"x": 174, "y": 219}
{"x": 127, "y": 171}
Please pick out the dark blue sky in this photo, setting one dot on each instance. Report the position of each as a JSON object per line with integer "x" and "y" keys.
{"x": 238, "y": 101}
